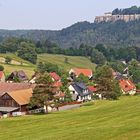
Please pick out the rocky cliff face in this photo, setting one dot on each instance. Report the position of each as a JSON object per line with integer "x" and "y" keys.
{"x": 108, "y": 17}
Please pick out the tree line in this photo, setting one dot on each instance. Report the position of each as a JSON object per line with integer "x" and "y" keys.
{"x": 127, "y": 11}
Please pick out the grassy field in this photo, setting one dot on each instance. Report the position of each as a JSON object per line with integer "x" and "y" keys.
{"x": 16, "y": 65}
{"x": 16, "y": 58}
{"x": 102, "y": 120}
{"x": 73, "y": 61}
{"x": 29, "y": 70}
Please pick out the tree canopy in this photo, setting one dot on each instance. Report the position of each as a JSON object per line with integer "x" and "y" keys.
{"x": 27, "y": 51}
{"x": 43, "y": 93}
{"x": 106, "y": 85}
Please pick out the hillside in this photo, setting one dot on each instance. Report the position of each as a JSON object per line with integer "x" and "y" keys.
{"x": 104, "y": 120}
{"x": 118, "y": 33}
{"x": 73, "y": 61}
{"x": 17, "y": 64}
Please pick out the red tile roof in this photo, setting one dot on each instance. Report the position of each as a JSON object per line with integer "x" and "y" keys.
{"x": 6, "y": 87}
{"x": 126, "y": 85}
{"x": 1, "y": 74}
{"x": 92, "y": 88}
{"x": 57, "y": 84}
{"x": 86, "y": 72}
{"x": 55, "y": 76}
{"x": 60, "y": 94}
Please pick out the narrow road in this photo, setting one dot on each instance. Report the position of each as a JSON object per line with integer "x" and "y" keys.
{"x": 69, "y": 107}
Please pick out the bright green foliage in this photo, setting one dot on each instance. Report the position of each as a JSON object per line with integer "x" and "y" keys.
{"x": 82, "y": 78}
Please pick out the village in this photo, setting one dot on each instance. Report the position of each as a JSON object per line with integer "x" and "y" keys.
{"x": 15, "y": 96}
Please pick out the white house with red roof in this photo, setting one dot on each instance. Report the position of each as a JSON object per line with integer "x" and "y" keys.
{"x": 78, "y": 71}
{"x": 2, "y": 76}
{"x": 127, "y": 86}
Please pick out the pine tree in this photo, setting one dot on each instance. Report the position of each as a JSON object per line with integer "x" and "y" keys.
{"x": 108, "y": 87}
{"x": 43, "y": 93}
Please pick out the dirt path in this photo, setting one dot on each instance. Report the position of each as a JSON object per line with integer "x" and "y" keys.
{"x": 69, "y": 107}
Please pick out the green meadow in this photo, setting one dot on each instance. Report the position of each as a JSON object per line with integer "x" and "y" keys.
{"x": 99, "y": 120}
{"x": 20, "y": 64}
{"x": 73, "y": 61}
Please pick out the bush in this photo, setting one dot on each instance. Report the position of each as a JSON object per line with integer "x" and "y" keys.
{"x": 8, "y": 59}
{"x": 1, "y": 68}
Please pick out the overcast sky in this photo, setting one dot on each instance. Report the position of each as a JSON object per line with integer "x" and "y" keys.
{"x": 54, "y": 14}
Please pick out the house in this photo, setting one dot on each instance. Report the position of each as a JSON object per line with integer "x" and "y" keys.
{"x": 92, "y": 89}
{"x": 79, "y": 92}
{"x": 77, "y": 71}
{"x": 15, "y": 101}
{"x": 8, "y": 87}
{"x": 2, "y": 76}
{"x": 117, "y": 75}
{"x": 57, "y": 84}
{"x": 127, "y": 86}
{"x": 60, "y": 95}
{"x": 17, "y": 76}
{"x": 55, "y": 76}
{"x": 34, "y": 77}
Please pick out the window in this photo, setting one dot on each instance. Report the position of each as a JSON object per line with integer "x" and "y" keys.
{"x": 6, "y": 97}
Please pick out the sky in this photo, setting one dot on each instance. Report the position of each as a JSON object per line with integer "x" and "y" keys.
{"x": 54, "y": 14}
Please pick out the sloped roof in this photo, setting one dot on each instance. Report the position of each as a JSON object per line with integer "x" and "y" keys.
{"x": 80, "y": 87}
{"x": 55, "y": 76}
{"x": 20, "y": 74}
{"x": 126, "y": 85}
{"x": 6, "y": 87}
{"x": 60, "y": 94}
{"x": 1, "y": 74}
{"x": 92, "y": 88}
{"x": 22, "y": 97}
{"x": 57, "y": 84}
{"x": 86, "y": 72}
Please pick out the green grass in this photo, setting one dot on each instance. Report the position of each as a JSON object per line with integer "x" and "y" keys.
{"x": 26, "y": 66}
{"x": 104, "y": 120}
{"x": 29, "y": 70}
{"x": 73, "y": 61}
{"x": 16, "y": 58}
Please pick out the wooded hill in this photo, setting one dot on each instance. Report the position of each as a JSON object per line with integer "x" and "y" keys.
{"x": 114, "y": 34}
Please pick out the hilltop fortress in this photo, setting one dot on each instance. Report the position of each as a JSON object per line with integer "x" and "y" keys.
{"x": 109, "y": 17}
